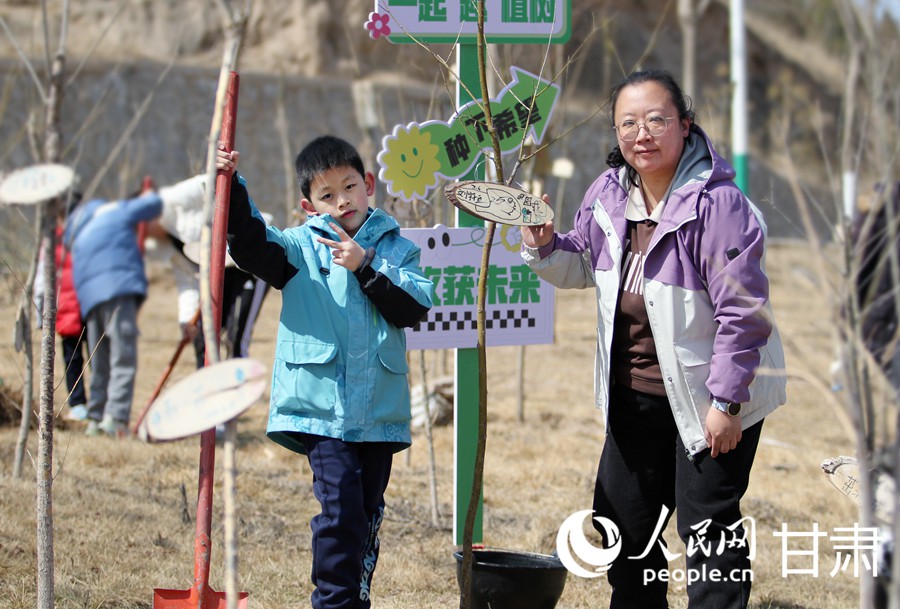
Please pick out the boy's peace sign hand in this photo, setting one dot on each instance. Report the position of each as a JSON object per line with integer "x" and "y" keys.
{"x": 346, "y": 252}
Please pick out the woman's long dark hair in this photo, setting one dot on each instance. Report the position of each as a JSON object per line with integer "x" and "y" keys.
{"x": 615, "y": 159}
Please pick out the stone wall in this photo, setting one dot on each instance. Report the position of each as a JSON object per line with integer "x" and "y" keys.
{"x": 169, "y": 142}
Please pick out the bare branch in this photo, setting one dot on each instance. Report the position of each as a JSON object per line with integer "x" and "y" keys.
{"x": 46, "y": 23}
{"x": 97, "y": 42}
{"x": 126, "y": 133}
{"x": 64, "y": 28}
{"x": 281, "y": 121}
{"x": 24, "y": 343}
{"x": 25, "y": 60}
{"x": 33, "y": 145}
{"x": 651, "y": 43}
{"x": 443, "y": 62}
{"x": 95, "y": 113}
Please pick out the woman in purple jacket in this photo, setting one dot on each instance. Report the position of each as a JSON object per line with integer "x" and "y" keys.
{"x": 689, "y": 361}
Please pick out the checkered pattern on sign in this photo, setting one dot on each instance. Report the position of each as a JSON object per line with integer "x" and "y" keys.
{"x": 450, "y": 321}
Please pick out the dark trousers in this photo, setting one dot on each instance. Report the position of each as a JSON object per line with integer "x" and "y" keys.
{"x": 349, "y": 480}
{"x": 643, "y": 467}
{"x": 73, "y": 356}
{"x": 242, "y": 297}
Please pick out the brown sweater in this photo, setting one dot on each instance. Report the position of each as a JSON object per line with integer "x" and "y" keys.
{"x": 634, "y": 361}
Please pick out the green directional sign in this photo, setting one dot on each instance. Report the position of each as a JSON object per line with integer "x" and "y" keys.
{"x": 414, "y": 157}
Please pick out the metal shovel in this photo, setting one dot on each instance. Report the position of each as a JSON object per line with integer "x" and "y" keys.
{"x": 201, "y": 595}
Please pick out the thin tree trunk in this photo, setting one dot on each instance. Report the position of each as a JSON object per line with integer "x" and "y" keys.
{"x": 52, "y": 146}
{"x": 235, "y": 27}
{"x": 432, "y": 467}
{"x": 687, "y": 20}
{"x": 45, "y": 554}
{"x": 25, "y": 344}
{"x": 520, "y": 384}
{"x": 857, "y": 411}
{"x": 481, "y": 344}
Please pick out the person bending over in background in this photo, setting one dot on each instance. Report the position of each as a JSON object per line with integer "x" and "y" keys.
{"x": 109, "y": 276}
{"x": 177, "y": 234}
{"x": 180, "y": 226}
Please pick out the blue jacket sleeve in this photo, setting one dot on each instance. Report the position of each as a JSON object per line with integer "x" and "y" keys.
{"x": 395, "y": 304}
{"x": 248, "y": 244}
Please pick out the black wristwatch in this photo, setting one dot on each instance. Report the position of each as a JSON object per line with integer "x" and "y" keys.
{"x": 730, "y": 408}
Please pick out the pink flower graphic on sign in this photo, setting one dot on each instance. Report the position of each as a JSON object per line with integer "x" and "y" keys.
{"x": 378, "y": 25}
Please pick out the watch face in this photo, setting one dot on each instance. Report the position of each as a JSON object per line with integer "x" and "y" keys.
{"x": 734, "y": 409}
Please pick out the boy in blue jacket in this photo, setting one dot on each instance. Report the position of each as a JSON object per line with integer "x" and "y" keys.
{"x": 340, "y": 394}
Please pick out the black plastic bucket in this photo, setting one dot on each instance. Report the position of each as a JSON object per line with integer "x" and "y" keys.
{"x": 514, "y": 580}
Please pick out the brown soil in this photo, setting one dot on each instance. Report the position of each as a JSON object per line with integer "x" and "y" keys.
{"x": 119, "y": 506}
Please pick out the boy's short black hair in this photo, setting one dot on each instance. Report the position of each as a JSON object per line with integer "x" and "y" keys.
{"x": 322, "y": 154}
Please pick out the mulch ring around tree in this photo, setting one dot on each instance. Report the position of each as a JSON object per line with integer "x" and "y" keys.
{"x": 11, "y": 409}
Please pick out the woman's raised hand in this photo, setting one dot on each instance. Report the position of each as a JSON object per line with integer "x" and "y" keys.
{"x": 538, "y": 235}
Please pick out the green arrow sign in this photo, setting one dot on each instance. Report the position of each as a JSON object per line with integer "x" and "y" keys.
{"x": 414, "y": 157}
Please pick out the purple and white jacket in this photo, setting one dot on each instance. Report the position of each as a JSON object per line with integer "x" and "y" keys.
{"x": 705, "y": 288}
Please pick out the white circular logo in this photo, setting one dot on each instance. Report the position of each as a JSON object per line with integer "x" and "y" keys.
{"x": 572, "y": 533}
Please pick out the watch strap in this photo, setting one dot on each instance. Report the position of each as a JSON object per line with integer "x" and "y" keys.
{"x": 730, "y": 408}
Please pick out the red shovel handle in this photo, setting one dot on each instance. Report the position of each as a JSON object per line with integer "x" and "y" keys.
{"x": 202, "y": 542}
{"x": 223, "y": 198}
{"x": 163, "y": 379}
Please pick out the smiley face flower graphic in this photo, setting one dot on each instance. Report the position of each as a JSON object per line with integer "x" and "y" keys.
{"x": 378, "y": 25}
{"x": 410, "y": 162}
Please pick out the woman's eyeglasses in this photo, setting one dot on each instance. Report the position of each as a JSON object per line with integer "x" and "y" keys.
{"x": 655, "y": 125}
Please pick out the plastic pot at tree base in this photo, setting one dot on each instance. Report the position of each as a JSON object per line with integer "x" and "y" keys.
{"x": 506, "y": 579}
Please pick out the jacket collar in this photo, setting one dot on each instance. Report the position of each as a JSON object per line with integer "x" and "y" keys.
{"x": 378, "y": 222}
{"x": 699, "y": 167}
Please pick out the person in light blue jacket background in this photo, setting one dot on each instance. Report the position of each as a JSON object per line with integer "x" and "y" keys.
{"x": 111, "y": 284}
{"x": 350, "y": 283}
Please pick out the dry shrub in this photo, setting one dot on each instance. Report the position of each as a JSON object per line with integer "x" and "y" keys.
{"x": 11, "y": 409}
{"x": 10, "y": 406}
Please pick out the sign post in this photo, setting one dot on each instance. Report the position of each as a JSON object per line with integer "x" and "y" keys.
{"x": 407, "y": 21}
{"x": 739, "y": 133}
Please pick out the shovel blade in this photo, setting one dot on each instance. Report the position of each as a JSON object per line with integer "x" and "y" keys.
{"x": 184, "y": 599}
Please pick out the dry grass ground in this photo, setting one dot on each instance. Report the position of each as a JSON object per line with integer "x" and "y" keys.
{"x": 122, "y": 509}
